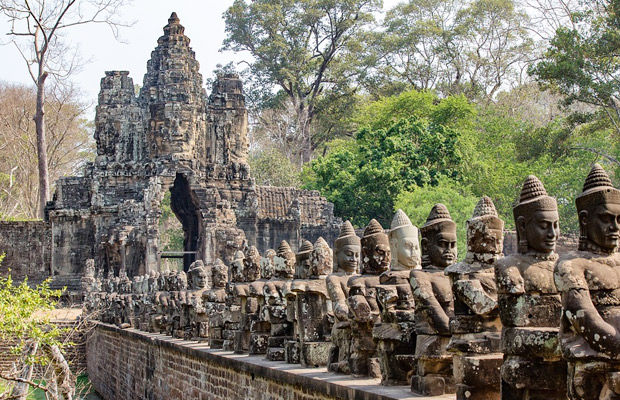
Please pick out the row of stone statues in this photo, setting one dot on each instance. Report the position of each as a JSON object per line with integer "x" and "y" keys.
{"x": 531, "y": 325}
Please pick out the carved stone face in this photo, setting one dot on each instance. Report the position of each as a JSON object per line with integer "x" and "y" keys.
{"x": 486, "y": 240}
{"x": 220, "y": 277}
{"x": 199, "y": 279}
{"x": 602, "y": 225}
{"x": 349, "y": 257}
{"x": 303, "y": 260}
{"x": 376, "y": 254}
{"x": 541, "y": 231}
{"x": 405, "y": 248}
{"x": 441, "y": 248}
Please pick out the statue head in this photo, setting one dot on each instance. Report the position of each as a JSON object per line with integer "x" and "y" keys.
{"x": 347, "y": 249}
{"x": 252, "y": 264}
{"x": 485, "y": 230}
{"x": 89, "y": 269}
{"x": 181, "y": 280}
{"x": 220, "y": 274}
{"x": 198, "y": 275}
{"x": 376, "y": 254}
{"x": 599, "y": 213}
{"x": 267, "y": 264}
{"x": 536, "y": 217}
{"x": 438, "y": 238}
{"x": 162, "y": 282}
{"x": 284, "y": 261}
{"x": 321, "y": 259}
{"x": 153, "y": 281}
{"x": 302, "y": 258}
{"x": 404, "y": 243}
{"x": 237, "y": 267}
{"x": 172, "y": 279}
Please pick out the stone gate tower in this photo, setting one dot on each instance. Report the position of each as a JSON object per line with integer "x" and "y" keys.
{"x": 172, "y": 137}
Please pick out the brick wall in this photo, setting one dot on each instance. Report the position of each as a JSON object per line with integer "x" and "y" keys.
{"x": 130, "y": 364}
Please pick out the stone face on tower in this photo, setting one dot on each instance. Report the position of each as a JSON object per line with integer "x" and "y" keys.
{"x": 173, "y": 95}
{"x": 173, "y": 138}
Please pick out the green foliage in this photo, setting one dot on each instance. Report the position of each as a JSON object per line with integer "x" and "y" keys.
{"x": 171, "y": 232}
{"x": 582, "y": 60}
{"x": 417, "y": 204}
{"x": 406, "y": 141}
{"x": 24, "y": 314}
{"x": 271, "y": 167}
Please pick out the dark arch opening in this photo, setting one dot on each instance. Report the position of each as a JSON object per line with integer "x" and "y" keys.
{"x": 185, "y": 209}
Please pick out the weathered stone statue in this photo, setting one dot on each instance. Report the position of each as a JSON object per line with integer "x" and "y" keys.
{"x": 259, "y": 328}
{"x": 347, "y": 249}
{"x": 215, "y": 304}
{"x": 362, "y": 300}
{"x": 249, "y": 304}
{"x": 529, "y": 304}
{"x": 475, "y": 326}
{"x": 302, "y": 271}
{"x": 589, "y": 283}
{"x": 434, "y": 305}
{"x": 236, "y": 288}
{"x": 274, "y": 311}
{"x": 313, "y": 307}
{"x": 198, "y": 320}
{"x": 395, "y": 334}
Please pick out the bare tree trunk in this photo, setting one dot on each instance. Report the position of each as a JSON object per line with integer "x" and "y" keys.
{"x": 21, "y": 389}
{"x": 64, "y": 378}
{"x": 39, "y": 121}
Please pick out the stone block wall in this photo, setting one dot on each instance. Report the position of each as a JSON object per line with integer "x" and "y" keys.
{"x": 27, "y": 245}
{"x": 129, "y": 364}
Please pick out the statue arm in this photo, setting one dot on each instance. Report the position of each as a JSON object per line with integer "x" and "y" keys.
{"x": 338, "y": 298}
{"x": 358, "y": 305}
{"x": 473, "y": 294}
{"x": 585, "y": 319}
{"x": 509, "y": 280}
{"x": 425, "y": 297}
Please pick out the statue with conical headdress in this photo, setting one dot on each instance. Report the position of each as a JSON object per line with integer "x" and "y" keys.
{"x": 589, "y": 283}
{"x": 529, "y": 303}
{"x": 313, "y": 308}
{"x": 259, "y": 322}
{"x": 434, "y": 305}
{"x": 362, "y": 300}
{"x": 215, "y": 304}
{"x": 475, "y": 326}
{"x": 275, "y": 301}
{"x": 395, "y": 334}
{"x": 347, "y": 248}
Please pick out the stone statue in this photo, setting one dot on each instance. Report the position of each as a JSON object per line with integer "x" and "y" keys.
{"x": 215, "y": 303}
{"x": 475, "y": 325}
{"x": 395, "y": 334}
{"x": 274, "y": 311}
{"x": 362, "y": 300}
{"x": 313, "y": 307}
{"x": 259, "y": 327}
{"x": 302, "y": 271}
{"x": 347, "y": 249}
{"x": 589, "y": 282}
{"x": 198, "y": 319}
{"x": 404, "y": 243}
{"x": 434, "y": 305}
{"x": 529, "y": 304}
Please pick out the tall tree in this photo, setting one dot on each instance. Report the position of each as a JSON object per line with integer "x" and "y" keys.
{"x": 36, "y": 30}
{"x": 296, "y": 44}
{"x": 69, "y": 144}
{"x": 582, "y": 60}
{"x": 474, "y": 47}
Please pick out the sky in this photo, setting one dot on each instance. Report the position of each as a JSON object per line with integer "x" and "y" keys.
{"x": 203, "y": 24}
